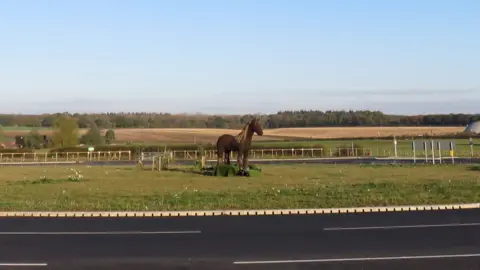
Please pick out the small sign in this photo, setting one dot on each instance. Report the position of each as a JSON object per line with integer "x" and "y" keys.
{"x": 470, "y": 141}
{"x": 90, "y": 149}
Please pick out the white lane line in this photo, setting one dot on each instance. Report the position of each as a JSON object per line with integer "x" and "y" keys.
{"x": 23, "y": 264}
{"x": 402, "y": 226}
{"x": 364, "y": 259}
{"x": 99, "y": 233}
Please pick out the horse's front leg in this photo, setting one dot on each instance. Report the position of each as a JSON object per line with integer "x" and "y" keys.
{"x": 239, "y": 159}
{"x": 245, "y": 160}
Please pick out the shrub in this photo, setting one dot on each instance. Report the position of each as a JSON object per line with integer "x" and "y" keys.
{"x": 15, "y": 150}
{"x": 109, "y": 136}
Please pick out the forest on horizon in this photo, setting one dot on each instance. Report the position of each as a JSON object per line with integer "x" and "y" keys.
{"x": 281, "y": 119}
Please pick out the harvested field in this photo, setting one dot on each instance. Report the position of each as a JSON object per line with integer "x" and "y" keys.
{"x": 185, "y": 135}
{"x": 199, "y": 135}
{"x": 361, "y": 132}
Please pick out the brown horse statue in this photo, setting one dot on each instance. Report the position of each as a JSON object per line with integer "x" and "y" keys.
{"x": 240, "y": 143}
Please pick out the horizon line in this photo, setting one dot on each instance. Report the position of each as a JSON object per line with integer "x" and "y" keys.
{"x": 229, "y": 114}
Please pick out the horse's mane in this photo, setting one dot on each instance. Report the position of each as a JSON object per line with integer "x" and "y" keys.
{"x": 240, "y": 137}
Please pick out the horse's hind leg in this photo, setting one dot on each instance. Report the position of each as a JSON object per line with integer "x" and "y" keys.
{"x": 227, "y": 157}
{"x": 219, "y": 156}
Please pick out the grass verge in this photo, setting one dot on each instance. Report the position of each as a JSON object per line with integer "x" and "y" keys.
{"x": 279, "y": 186}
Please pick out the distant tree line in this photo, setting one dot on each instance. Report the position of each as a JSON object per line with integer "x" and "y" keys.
{"x": 282, "y": 119}
{"x": 66, "y": 134}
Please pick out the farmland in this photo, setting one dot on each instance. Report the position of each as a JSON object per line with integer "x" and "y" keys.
{"x": 198, "y": 135}
{"x": 279, "y": 186}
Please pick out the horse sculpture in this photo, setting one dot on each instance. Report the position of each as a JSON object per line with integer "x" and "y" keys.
{"x": 240, "y": 143}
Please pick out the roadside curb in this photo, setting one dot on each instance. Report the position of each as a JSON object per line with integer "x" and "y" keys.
{"x": 257, "y": 212}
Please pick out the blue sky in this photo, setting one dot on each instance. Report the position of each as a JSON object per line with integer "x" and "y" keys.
{"x": 246, "y": 56}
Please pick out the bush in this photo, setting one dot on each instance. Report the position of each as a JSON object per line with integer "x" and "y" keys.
{"x": 15, "y": 150}
{"x": 109, "y": 136}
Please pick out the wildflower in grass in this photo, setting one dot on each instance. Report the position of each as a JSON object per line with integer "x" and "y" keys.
{"x": 75, "y": 176}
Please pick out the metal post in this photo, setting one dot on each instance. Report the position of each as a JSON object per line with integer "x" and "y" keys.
{"x": 395, "y": 146}
{"x": 453, "y": 152}
{"x": 471, "y": 149}
{"x": 439, "y": 152}
{"x": 433, "y": 152}
{"x": 426, "y": 151}
{"x": 414, "y": 155}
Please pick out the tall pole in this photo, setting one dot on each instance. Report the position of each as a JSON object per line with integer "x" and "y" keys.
{"x": 395, "y": 146}
{"x": 433, "y": 152}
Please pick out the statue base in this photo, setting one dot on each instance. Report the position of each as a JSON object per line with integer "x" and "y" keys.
{"x": 226, "y": 170}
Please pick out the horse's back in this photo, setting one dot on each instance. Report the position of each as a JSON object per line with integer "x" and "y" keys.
{"x": 225, "y": 138}
{"x": 227, "y": 141}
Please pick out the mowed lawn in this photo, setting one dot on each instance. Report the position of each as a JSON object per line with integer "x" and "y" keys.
{"x": 279, "y": 186}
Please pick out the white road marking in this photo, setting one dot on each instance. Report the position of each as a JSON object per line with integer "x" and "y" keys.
{"x": 99, "y": 233}
{"x": 402, "y": 226}
{"x": 364, "y": 259}
{"x": 23, "y": 264}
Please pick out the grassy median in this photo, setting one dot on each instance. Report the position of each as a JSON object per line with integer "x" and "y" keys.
{"x": 279, "y": 186}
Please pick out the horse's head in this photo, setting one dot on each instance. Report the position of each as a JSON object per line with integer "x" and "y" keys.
{"x": 256, "y": 127}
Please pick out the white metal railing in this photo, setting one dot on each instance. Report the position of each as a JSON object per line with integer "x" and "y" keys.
{"x": 66, "y": 156}
{"x": 269, "y": 153}
{"x": 211, "y": 154}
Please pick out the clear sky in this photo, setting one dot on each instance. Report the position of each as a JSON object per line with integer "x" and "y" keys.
{"x": 248, "y": 56}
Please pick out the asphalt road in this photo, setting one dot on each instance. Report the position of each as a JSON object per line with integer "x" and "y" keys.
{"x": 366, "y": 160}
{"x": 393, "y": 240}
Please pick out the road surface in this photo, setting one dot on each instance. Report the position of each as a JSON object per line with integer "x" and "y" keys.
{"x": 447, "y": 239}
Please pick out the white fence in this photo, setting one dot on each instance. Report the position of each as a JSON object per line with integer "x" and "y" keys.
{"x": 269, "y": 153}
{"x": 66, "y": 157}
{"x": 211, "y": 154}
